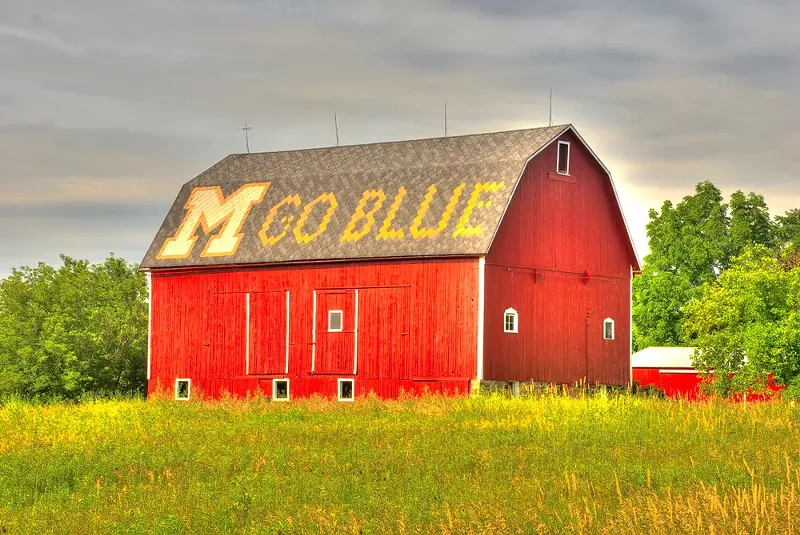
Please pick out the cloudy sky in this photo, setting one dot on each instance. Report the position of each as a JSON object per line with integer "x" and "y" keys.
{"x": 108, "y": 106}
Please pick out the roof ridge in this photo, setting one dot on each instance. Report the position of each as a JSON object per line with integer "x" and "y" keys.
{"x": 331, "y": 148}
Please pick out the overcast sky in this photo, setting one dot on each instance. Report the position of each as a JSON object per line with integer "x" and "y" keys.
{"x": 107, "y": 107}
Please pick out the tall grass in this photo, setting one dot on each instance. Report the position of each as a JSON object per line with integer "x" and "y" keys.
{"x": 550, "y": 464}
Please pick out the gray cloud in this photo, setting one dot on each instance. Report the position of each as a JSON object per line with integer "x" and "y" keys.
{"x": 38, "y": 151}
{"x": 686, "y": 11}
{"x": 39, "y": 232}
{"x": 106, "y": 108}
{"x": 770, "y": 69}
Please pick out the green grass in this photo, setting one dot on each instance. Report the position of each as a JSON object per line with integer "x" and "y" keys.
{"x": 553, "y": 464}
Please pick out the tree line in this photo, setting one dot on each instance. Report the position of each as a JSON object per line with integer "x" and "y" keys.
{"x": 725, "y": 278}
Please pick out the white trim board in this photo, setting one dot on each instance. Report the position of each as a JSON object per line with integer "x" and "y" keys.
{"x": 149, "y": 278}
{"x": 314, "y": 333}
{"x": 288, "y": 317}
{"x": 247, "y": 335}
{"x": 355, "y": 338}
{"x": 630, "y": 329}
{"x": 481, "y": 312}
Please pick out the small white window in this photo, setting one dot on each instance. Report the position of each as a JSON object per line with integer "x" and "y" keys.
{"x": 183, "y": 389}
{"x": 335, "y": 321}
{"x": 346, "y": 390}
{"x": 510, "y": 321}
{"x": 563, "y": 158}
{"x": 608, "y": 329}
{"x": 280, "y": 389}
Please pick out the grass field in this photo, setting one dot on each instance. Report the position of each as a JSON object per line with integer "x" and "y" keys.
{"x": 553, "y": 464}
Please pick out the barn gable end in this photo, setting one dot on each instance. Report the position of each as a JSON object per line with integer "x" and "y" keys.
{"x": 562, "y": 258}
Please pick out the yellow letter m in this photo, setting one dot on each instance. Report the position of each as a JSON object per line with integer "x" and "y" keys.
{"x": 207, "y": 207}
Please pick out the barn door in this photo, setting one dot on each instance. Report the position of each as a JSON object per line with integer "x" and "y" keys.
{"x": 383, "y": 333}
{"x": 228, "y": 335}
{"x": 268, "y": 334}
{"x": 335, "y": 332}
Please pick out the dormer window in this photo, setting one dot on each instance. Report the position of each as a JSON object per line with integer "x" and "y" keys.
{"x": 563, "y": 158}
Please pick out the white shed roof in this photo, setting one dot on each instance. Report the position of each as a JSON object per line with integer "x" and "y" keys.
{"x": 663, "y": 357}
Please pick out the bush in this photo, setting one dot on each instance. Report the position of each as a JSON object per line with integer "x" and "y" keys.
{"x": 74, "y": 330}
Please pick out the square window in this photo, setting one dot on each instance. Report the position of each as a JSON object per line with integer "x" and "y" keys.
{"x": 562, "y": 167}
{"x": 335, "y": 321}
{"x": 346, "y": 392}
{"x": 280, "y": 389}
{"x": 510, "y": 321}
{"x": 183, "y": 389}
{"x": 608, "y": 329}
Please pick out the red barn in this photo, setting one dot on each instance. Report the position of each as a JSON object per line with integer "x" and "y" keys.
{"x": 427, "y": 264}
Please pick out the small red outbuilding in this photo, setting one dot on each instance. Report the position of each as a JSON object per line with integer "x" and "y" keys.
{"x": 426, "y": 264}
{"x": 669, "y": 369}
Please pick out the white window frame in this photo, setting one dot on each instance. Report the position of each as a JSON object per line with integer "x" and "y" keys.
{"x": 613, "y": 329}
{"x": 275, "y": 382}
{"x": 339, "y": 389}
{"x": 341, "y": 321}
{"x": 516, "y": 321}
{"x": 188, "y": 391}
{"x": 558, "y": 153}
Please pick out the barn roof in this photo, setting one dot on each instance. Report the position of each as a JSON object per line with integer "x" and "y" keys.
{"x": 427, "y": 197}
{"x": 663, "y": 357}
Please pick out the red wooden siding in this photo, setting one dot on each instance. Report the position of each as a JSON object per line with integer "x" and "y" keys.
{"x": 415, "y": 328}
{"x": 558, "y": 229}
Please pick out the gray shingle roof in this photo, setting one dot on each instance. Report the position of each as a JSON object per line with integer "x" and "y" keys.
{"x": 478, "y": 171}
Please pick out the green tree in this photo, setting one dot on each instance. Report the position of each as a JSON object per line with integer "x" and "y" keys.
{"x": 79, "y": 328}
{"x": 751, "y": 223}
{"x": 746, "y": 324}
{"x": 788, "y": 230}
{"x": 689, "y": 246}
